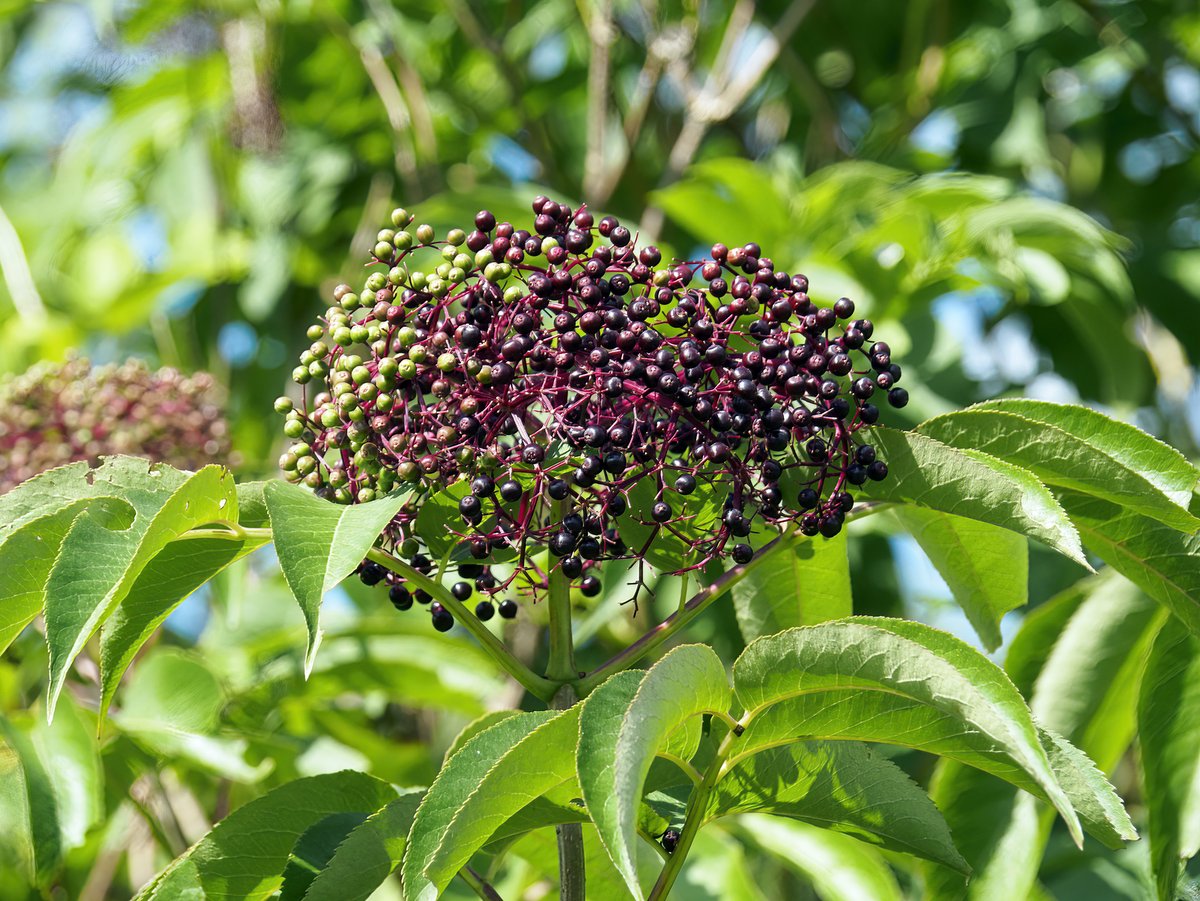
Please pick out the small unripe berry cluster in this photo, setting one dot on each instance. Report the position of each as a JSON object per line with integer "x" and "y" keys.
{"x": 56, "y": 413}
{"x": 583, "y": 390}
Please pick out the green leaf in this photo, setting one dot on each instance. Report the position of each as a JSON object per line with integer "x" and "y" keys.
{"x": 804, "y": 581}
{"x": 1105, "y": 458}
{"x": 245, "y": 854}
{"x": 986, "y": 567}
{"x": 97, "y": 566}
{"x": 68, "y": 749}
{"x": 474, "y": 727}
{"x": 1158, "y": 463}
{"x": 538, "y": 763}
{"x": 840, "y": 868}
{"x": 1101, "y": 626}
{"x": 842, "y": 786}
{"x": 898, "y": 682}
{"x": 28, "y": 552}
{"x": 313, "y": 851}
{"x": 1168, "y": 719}
{"x": 320, "y": 543}
{"x": 45, "y": 833}
{"x": 165, "y": 582}
{"x": 927, "y": 473}
{"x": 1095, "y": 800}
{"x": 451, "y": 789}
{"x": 252, "y": 505}
{"x": 369, "y": 854}
{"x": 1159, "y": 560}
{"x": 624, "y": 722}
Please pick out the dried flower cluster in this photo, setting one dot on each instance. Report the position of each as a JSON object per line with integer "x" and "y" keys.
{"x": 58, "y": 413}
{"x": 585, "y": 397}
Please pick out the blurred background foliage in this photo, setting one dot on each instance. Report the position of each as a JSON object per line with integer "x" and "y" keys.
{"x": 1011, "y": 186}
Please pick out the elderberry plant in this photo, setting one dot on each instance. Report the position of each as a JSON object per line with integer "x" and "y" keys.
{"x": 494, "y": 416}
{"x": 598, "y": 400}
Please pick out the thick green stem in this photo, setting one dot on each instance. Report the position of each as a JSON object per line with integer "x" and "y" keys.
{"x": 572, "y": 872}
{"x": 693, "y": 817}
{"x": 561, "y": 667}
{"x": 536, "y": 685}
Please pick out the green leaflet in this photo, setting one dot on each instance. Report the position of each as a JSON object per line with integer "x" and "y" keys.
{"x": 535, "y": 765}
{"x": 842, "y": 786}
{"x": 320, "y": 543}
{"x": 452, "y": 789}
{"x": 1158, "y": 463}
{"x": 369, "y": 854}
{"x": 28, "y": 552}
{"x": 986, "y": 567}
{"x": 166, "y": 581}
{"x": 1102, "y": 626}
{"x": 97, "y": 566}
{"x": 1168, "y": 719}
{"x": 927, "y": 473}
{"x": 622, "y": 726}
{"x": 840, "y": 868}
{"x": 1084, "y": 451}
{"x": 218, "y": 864}
{"x": 1161, "y": 561}
{"x": 893, "y": 681}
{"x": 805, "y": 581}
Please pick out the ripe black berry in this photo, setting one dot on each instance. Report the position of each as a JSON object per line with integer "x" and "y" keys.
{"x": 590, "y": 586}
{"x": 442, "y": 620}
{"x": 670, "y": 840}
{"x": 743, "y": 553}
{"x": 508, "y": 608}
{"x": 400, "y": 597}
{"x": 371, "y": 573}
{"x": 461, "y": 590}
{"x": 484, "y": 611}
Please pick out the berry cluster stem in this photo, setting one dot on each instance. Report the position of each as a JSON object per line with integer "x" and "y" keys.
{"x": 572, "y": 871}
{"x": 561, "y": 666}
{"x": 536, "y": 685}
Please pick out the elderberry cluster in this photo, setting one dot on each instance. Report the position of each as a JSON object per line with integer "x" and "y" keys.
{"x": 575, "y": 393}
{"x": 57, "y": 413}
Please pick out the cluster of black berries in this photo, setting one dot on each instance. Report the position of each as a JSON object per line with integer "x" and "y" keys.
{"x": 58, "y": 413}
{"x": 584, "y": 396}
{"x": 402, "y": 597}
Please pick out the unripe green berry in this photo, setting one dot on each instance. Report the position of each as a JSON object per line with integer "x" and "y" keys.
{"x": 284, "y": 405}
{"x": 385, "y": 234}
{"x": 403, "y": 241}
{"x": 315, "y": 332}
{"x": 359, "y": 334}
{"x": 293, "y": 428}
{"x": 425, "y": 233}
{"x": 342, "y": 336}
{"x": 407, "y": 336}
{"x": 376, "y": 281}
{"x": 317, "y": 368}
{"x": 300, "y": 375}
{"x": 456, "y": 237}
{"x": 401, "y": 217}
{"x": 384, "y": 250}
{"x": 513, "y": 293}
{"x": 407, "y": 369}
{"x": 447, "y": 362}
{"x": 483, "y": 257}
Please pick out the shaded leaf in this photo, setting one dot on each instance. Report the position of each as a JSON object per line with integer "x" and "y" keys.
{"x": 369, "y": 854}
{"x": 986, "y": 567}
{"x": 1161, "y": 561}
{"x": 1168, "y": 723}
{"x": 839, "y": 868}
{"x": 805, "y": 581}
{"x": 842, "y": 786}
